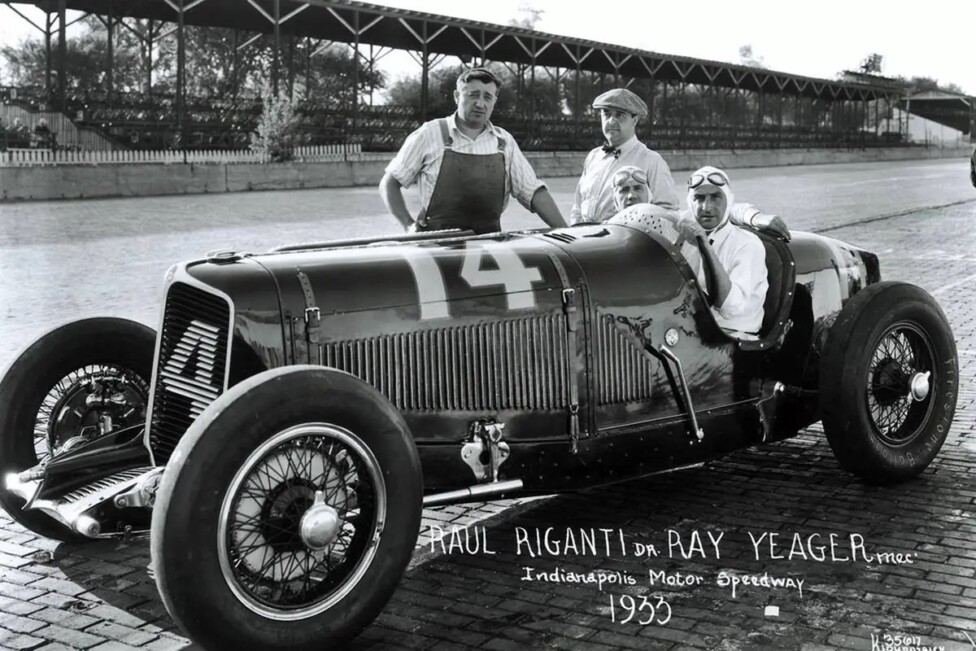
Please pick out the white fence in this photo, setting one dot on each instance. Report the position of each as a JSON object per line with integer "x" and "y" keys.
{"x": 310, "y": 154}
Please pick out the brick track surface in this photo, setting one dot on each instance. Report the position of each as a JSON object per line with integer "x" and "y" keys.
{"x": 99, "y": 596}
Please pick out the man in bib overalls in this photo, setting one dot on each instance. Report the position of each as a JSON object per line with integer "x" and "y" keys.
{"x": 466, "y": 167}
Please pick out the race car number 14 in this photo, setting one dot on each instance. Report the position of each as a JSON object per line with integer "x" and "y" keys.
{"x": 511, "y": 273}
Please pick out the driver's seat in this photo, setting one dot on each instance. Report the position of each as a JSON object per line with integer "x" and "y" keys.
{"x": 781, "y": 274}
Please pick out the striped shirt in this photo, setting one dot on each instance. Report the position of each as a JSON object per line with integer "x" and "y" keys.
{"x": 420, "y": 160}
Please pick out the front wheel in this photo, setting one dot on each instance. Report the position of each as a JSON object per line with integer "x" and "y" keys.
{"x": 888, "y": 382}
{"x": 287, "y": 513}
{"x": 74, "y": 384}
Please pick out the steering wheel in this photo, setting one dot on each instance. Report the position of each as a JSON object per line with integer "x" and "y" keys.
{"x": 708, "y": 271}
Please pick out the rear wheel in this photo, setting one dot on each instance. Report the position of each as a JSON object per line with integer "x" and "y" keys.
{"x": 299, "y": 492}
{"x": 72, "y": 385}
{"x": 888, "y": 382}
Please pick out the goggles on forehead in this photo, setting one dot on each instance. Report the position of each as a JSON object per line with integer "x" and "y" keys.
{"x": 715, "y": 178}
{"x": 623, "y": 175}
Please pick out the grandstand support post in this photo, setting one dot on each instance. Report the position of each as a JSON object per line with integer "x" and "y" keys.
{"x": 355, "y": 72}
{"x": 62, "y": 54}
{"x": 533, "y": 123}
{"x": 877, "y": 117}
{"x": 277, "y": 47}
{"x": 578, "y": 104}
{"x": 48, "y": 24}
{"x": 779, "y": 120}
{"x": 664, "y": 105}
{"x": 649, "y": 127}
{"x": 110, "y": 51}
{"x": 291, "y": 67}
{"x": 181, "y": 77}
{"x": 734, "y": 117}
{"x": 683, "y": 85}
{"x": 148, "y": 41}
{"x": 424, "y": 72}
{"x": 236, "y": 69}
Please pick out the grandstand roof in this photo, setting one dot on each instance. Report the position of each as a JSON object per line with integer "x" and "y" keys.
{"x": 342, "y": 20}
{"x": 954, "y": 110}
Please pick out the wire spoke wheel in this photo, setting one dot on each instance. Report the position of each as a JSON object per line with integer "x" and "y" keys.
{"x": 300, "y": 522}
{"x": 86, "y": 403}
{"x": 81, "y": 381}
{"x": 897, "y": 408}
{"x": 889, "y": 380}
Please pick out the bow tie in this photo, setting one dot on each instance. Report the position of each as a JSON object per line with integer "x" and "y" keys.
{"x": 610, "y": 150}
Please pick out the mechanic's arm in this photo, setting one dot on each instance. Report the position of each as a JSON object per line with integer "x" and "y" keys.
{"x": 530, "y": 191}
{"x": 745, "y": 214}
{"x": 545, "y": 206}
{"x": 392, "y": 194}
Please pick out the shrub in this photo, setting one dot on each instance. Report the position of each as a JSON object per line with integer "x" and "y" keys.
{"x": 278, "y": 127}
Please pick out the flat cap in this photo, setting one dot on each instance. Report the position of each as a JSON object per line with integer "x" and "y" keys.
{"x": 623, "y": 99}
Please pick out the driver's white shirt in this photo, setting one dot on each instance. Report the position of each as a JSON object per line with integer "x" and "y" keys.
{"x": 743, "y": 256}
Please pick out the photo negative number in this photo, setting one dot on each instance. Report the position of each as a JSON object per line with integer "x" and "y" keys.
{"x": 511, "y": 274}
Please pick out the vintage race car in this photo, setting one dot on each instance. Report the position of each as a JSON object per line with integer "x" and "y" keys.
{"x": 282, "y": 431}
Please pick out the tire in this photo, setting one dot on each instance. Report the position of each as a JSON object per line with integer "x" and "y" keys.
{"x": 46, "y": 383}
{"x": 231, "y": 563}
{"x": 878, "y": 426}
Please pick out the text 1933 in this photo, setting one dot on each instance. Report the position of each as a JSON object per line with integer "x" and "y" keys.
{"x": 640, "y": 610}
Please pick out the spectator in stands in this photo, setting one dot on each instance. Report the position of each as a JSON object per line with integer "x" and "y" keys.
{"x": 466, "y": 167}
{"x": 43, "y": 138}
{"x": 736, "y": 256}
{"x": 620, "y": 111}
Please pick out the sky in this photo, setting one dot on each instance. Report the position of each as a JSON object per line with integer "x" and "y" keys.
{"x": 815, "y": 39}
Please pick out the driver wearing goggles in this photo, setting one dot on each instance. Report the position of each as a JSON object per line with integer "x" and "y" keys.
{"x": 736, "y": 256}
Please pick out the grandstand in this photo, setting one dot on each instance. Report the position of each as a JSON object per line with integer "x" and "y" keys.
{"x": 695, "y": 104}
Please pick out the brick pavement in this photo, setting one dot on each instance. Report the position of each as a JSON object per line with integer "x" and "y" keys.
{"x": 98, "y": 596}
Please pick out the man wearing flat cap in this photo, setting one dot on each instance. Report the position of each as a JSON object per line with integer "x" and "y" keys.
{"x": 620, "y": 110}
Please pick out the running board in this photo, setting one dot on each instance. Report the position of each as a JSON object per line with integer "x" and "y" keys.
{"x": 474, "y": 493}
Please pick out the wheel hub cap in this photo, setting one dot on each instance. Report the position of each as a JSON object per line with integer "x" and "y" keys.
{"x": 320, "y": 524}
{"x": 919, "y": 386}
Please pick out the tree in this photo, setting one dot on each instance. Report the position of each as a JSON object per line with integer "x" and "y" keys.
{"x": 921, "y": 84}
{"x": 135, "y": 59}
{"x": 748, "y": 58}
{"x": 529, "y": 16}
{"x": 333, "y": 74}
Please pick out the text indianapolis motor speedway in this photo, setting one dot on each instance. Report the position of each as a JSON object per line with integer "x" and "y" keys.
{"x": 604, "y": 578}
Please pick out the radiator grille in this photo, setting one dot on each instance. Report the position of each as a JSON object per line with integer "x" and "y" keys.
{"x": 625, "y": 372}
{"x": 102, "y": 485}
{"x": 513, "y": 364}
{"x": 191, "y": 366}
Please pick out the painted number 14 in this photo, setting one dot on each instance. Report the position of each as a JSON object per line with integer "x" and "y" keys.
{"x": 512, "y": 274}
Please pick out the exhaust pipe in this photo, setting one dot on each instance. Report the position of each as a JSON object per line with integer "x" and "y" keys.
{"x": 474, "y": 493}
